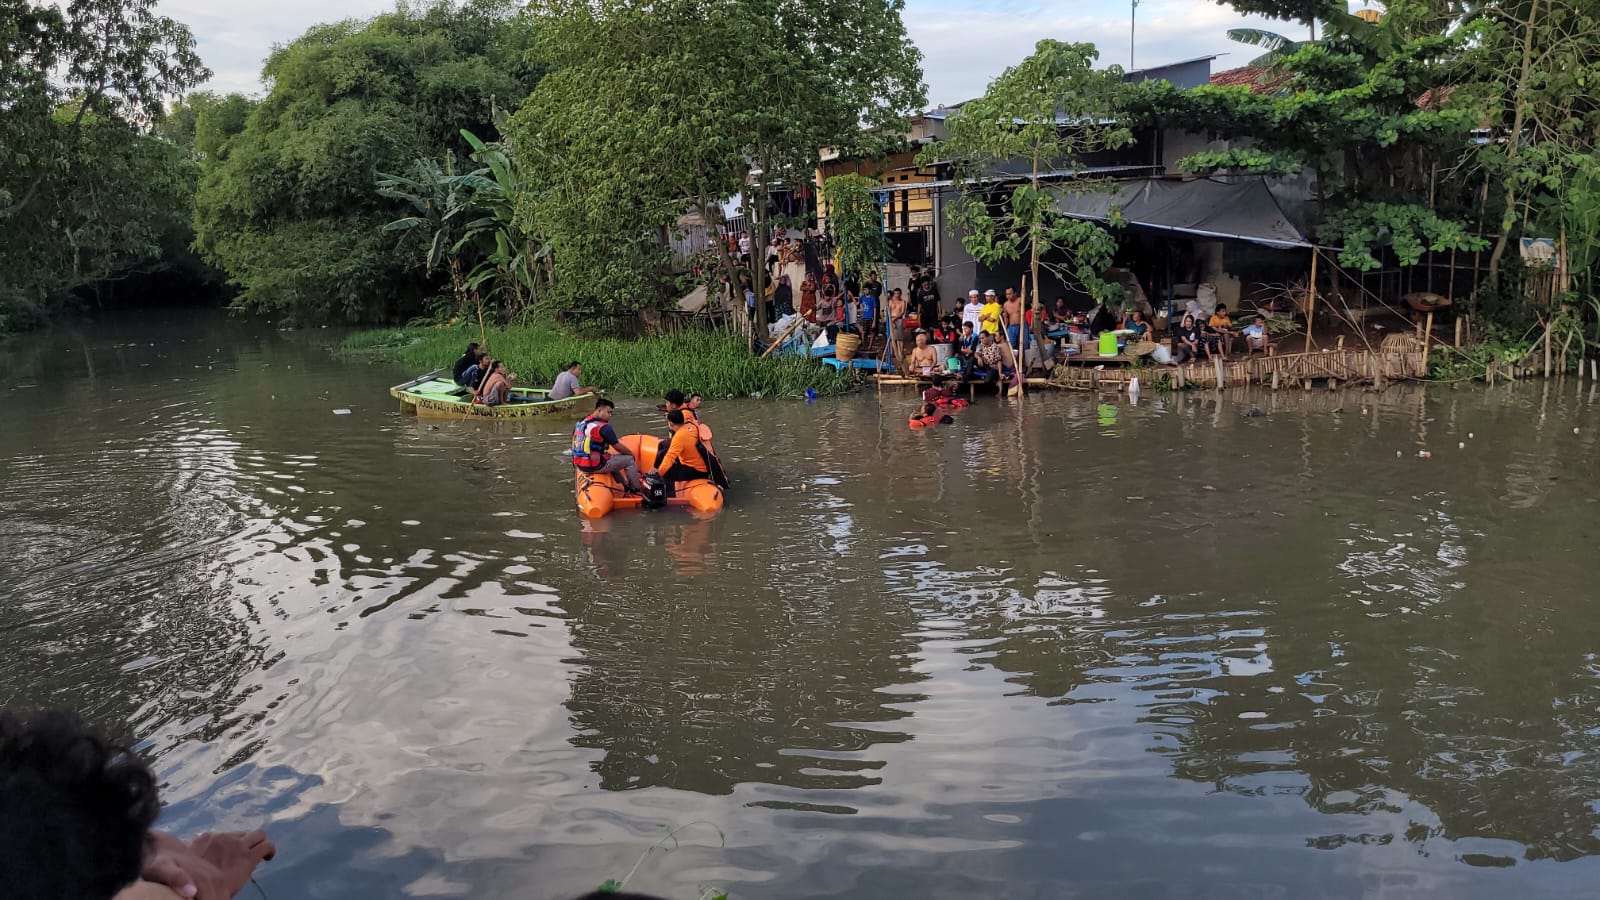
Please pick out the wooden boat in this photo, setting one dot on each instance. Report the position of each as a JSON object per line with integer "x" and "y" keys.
{"x": 601, "y": 494}
{"x": 433, "y": 396}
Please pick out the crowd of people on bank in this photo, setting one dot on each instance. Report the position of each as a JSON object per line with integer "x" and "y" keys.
{"x": 993, "y": 334}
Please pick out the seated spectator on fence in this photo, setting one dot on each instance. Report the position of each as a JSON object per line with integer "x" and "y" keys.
{"x": 1255, "y": 336}
{"x": 989, "y": 360}
{"x": 1142, "y": 330}
{"x": 1221, "y": 326}
{"x": 966, "y": 349}
{"x": 923, "y": 359}
{"x": 1217, "y": 333}
{"x": 1186, "y": 346}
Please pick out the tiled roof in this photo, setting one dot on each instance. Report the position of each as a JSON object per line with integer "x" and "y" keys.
{"x": 1259, "y": 79}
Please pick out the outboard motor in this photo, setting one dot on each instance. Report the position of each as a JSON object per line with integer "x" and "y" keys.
{"x": 654, "y": 495}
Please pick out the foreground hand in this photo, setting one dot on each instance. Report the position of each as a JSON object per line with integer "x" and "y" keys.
{"x": 235, "y": 855}
{"x": 173, "y": 864}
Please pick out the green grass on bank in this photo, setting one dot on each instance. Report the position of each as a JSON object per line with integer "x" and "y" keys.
{"x": 713, "y": 363}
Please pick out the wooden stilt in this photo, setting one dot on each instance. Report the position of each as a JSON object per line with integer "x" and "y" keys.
{"x": 1311, "y": 304}
{"x": 1427, "y": 340}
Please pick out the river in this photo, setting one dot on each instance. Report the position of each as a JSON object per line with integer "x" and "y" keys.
{"x": 1247, "y": 646}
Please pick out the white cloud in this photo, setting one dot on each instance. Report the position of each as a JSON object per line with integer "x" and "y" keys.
{"x": 964, "y": 43}
{"x": 235, "y": 37}
{"x": 963, "y": 48}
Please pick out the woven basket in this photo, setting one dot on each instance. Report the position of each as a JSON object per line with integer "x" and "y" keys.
{"x": 844, "y": 349}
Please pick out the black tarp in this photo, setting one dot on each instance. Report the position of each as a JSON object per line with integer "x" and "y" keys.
{"x": 1239, "y": 210}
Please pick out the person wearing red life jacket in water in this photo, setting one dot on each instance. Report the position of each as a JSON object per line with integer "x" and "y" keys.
{"x": 928, "y": 416}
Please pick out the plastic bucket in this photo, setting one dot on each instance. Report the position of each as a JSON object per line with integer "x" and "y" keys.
{"x": 1108, "y": 344}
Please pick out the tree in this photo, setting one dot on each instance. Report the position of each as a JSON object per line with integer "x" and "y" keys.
{"x": 855, "y": 218}
{"x": 286, "y": 204}
{"x": 1374, "y": 131}
{"x": 1306, "y": 12}
{"x": 1047, "y": 111}
{"x": 85, "y": 196}
{"x": 1546, "y": 103}
{"x": 659, "y": 108}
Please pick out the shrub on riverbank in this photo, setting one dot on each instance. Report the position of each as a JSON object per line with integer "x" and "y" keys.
{"x": 714, "y": 363}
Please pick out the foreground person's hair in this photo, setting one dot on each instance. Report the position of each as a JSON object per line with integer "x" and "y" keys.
{"x": 74, "y": 809}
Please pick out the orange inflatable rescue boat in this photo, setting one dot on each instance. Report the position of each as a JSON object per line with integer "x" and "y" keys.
{"x": 600, "y": 494}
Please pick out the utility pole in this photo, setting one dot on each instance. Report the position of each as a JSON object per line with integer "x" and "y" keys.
{"x": 1133, "y": 32}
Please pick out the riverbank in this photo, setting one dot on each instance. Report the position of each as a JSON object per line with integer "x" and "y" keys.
{"x": 714, "y": 363}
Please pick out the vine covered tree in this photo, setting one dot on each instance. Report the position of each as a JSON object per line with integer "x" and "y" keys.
{"x": 85, "y": 195}
{"x": 286, "y": 204}
{"x": 658, "y": 108}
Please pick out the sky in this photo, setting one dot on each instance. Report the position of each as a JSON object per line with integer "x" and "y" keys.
{"x": 964, "y": 43}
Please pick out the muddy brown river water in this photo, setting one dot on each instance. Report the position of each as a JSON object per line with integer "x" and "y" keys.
{"x": 1075, "y": 647}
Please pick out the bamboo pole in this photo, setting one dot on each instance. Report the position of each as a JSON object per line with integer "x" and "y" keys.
{"x": 1427, "y": 340}
{"x": 1548, "y": 344}
{"x": 1311, "y": 303}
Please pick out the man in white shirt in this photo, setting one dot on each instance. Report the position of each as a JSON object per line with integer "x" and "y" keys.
{"x": 744, "y": 246}
{"x": 971, "y": 311}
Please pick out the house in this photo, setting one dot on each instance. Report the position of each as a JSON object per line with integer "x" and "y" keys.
{"x": 1177, "y": 238}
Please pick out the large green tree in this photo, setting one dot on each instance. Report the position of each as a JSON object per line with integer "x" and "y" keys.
{"x": 86, "y": 196}
{"x": 287, "y": 204}
{"x": 660, "y": 107}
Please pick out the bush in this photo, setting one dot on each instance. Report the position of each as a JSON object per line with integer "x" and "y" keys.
{"x": 713, "y": 363}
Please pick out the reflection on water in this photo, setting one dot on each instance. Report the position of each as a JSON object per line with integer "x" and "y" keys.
{"x": 1201, "y": 646}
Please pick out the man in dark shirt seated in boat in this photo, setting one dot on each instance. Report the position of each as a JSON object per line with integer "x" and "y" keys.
{"x": 467, "y": 361}
{"x": 476, "y": 374}
{"x": 593, "y": 443}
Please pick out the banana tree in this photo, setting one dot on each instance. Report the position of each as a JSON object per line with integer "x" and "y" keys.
{"x": 511, "y": 254}
{"x": 442, "y": 202}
